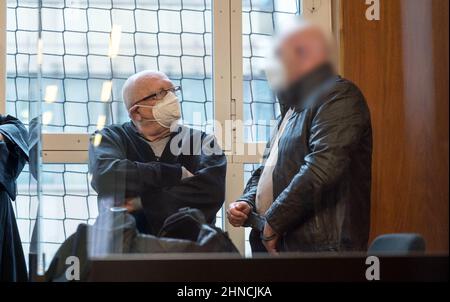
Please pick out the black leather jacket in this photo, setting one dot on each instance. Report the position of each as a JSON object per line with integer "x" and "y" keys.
{"x": 322, "y": 179}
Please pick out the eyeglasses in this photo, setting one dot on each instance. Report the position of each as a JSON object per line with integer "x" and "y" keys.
{"x": 157, "y": 96}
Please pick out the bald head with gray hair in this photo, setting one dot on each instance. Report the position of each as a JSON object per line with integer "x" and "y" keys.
{"x": 135, "y": 90}
{"x": 142, "y": 84}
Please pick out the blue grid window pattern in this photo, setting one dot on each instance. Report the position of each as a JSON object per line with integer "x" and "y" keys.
{"x": 260, "y": 20}
{"x": 173, "y": 36}
{"x": 67, "y": 201}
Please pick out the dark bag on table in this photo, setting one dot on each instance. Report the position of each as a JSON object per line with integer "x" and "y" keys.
{"x": 115, "y": 233}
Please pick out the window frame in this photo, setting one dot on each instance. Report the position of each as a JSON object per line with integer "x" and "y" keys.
{"x": 227, "y": 50}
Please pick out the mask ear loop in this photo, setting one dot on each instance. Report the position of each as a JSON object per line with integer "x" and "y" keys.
{"x": 134, "y": 108}
{"x": 132, "y": 111}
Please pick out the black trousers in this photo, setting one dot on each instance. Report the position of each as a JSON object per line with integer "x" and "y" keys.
{"x": 141, "y": 222}
{"x": 256, "y": 243}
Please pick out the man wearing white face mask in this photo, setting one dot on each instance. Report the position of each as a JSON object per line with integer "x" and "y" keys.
{"x": 134, "y": 164}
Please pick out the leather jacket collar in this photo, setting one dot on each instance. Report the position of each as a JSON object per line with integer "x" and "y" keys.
{"x": 296, "y": 94}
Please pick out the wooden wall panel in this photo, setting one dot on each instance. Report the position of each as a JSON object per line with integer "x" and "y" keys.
{"x": 401, "y": 65}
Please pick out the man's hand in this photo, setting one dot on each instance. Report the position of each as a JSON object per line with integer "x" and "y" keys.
{"x": 238, "y": 212}
{"x": 1, "y": 137}
{"x": 133, "y": 204}
{"x": 271, "y": 245}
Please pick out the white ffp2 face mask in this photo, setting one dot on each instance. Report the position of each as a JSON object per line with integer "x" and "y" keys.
{"x": 165, "y": 112}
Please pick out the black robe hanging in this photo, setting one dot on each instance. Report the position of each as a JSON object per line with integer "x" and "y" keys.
{"x": 13, "y": 156}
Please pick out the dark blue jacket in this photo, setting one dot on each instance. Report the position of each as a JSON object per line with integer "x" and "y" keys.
{"x": 123, "y": 165}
